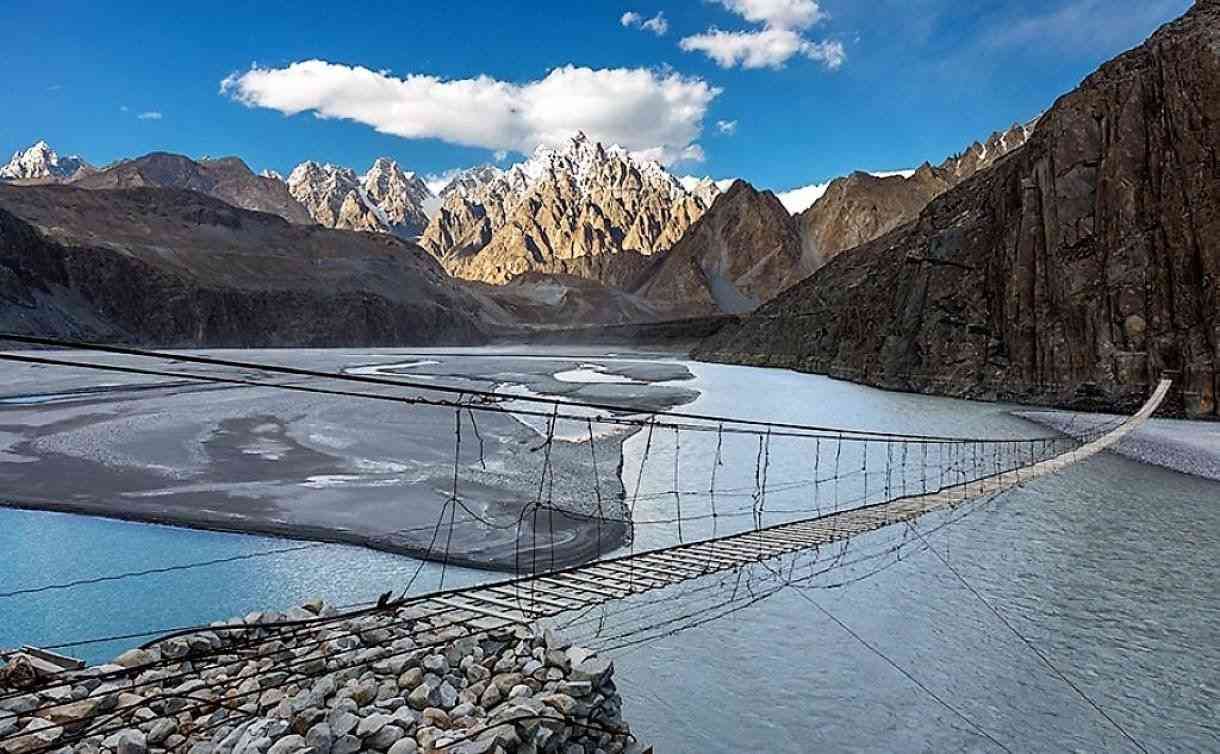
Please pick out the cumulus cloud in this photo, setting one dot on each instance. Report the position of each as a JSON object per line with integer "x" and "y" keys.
{"x": 658, "y": 24}
{"x": 149, "y": 115}
{"x": 726, "y": 127}
{"x": 637, "y": 108}
{"x": 769, "y": 48}
{"x": 772, "y": 46}
{"x": 777, "y": 14}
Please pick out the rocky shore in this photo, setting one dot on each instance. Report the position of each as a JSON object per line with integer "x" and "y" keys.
{"x": 397, "y": 681}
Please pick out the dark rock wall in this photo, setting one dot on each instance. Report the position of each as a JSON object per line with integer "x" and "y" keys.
{"x": 1076, "y": 271}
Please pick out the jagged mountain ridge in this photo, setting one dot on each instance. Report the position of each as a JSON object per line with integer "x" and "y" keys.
{"x": 583, "y": 199}
{"x": 1077, "y": 271}
{"x": 227, "y": 178}
{"x": 859, "y": 207}
{"x": 386, "y": 199}
{"x": 39, "y": 162}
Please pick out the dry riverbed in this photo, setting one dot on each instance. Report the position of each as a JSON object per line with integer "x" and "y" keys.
{"x": 341, "y": 469}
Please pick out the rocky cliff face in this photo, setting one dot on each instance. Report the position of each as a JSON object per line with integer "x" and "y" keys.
{"x": 386, "y": 199}
{"x": 860, "y": 207}
{"x": 40, "y": 163}
{"x": 1076, "y": 271}
{"x": 399, "y": 196}
{"x": 584, "y": 200}
{"x": 227, "y": 179}
{"x": 179, "y": 268}
{"x": 743, "y": 251}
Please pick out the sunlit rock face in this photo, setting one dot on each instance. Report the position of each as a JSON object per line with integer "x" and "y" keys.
{"x": 581, "y": 200}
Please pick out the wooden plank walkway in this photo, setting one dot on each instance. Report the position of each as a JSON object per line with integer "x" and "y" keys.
{"x": 546, "y": 595}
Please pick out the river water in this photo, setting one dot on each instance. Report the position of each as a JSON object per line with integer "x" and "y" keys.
{"x": 1109, "y": 569}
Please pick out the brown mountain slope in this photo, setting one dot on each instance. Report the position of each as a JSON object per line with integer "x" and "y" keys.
{"x": 741, "y": 252}
{"x": 228, "y": 179}
{"x": 860, "y": 207}
{"x": 179, "y": 268}
{"x": 1078, "y": 270}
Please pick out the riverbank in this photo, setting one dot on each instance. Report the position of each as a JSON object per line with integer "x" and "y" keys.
{"x": 398, "y": 681}
{"x": 1189, "y": 447}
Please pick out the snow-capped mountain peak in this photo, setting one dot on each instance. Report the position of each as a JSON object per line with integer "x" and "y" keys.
{"x": 579, "y": 198}
{"x": 40, "y": 162}
{"x": 385, "y": 199}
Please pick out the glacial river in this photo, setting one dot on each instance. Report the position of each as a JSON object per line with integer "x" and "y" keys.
{"x": 1109, "y": 569}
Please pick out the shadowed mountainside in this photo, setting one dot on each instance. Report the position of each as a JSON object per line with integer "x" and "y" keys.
{"x": 175, "y": 267}
{"x": 227, "y": 178}
{"x": 1076, "y": 271}
{"x": 744, "y": 250}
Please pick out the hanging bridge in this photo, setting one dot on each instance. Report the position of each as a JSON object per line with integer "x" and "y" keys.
{"x": 911, "y": 476}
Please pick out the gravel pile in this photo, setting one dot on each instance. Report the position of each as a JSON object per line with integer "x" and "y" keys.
{"x": 399, "y": 682}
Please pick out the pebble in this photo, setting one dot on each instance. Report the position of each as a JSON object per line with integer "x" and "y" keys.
{"x": 320, "y": 737}
{"x": 132, "y": 742}
{"x": 347, "y": 744}
{"x": 404, "y": 746}
{"x": 287, "y": 745}
{"x": 371, "y": 724}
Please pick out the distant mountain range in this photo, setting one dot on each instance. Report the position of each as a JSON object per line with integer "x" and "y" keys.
{"x": 583, "y": 199}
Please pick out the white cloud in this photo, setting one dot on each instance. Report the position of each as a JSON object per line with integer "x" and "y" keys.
{"x": 692, "y": 153}
{"x": 122, "y": 108}
{"x": 802, "y": 198}
{"x": 658, "y": 24}
{"x": 777, "y": 14}
{"x": 773, "y": 45}
{"x": 636, "y": 108}
{"x": 768, "y": 48}
{"x": 891, "y": 173}
{"x": 149, "y": 115}
{"x": 726, "y": 127}
{"x": 438, "y": 181}
{"x": 501, "y": 155}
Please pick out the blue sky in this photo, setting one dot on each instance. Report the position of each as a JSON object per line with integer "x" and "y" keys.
{"x": 815, "y": 89}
